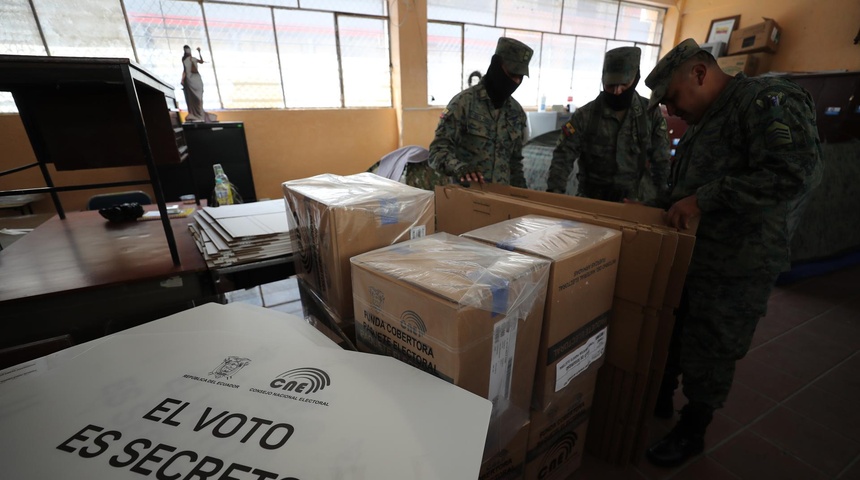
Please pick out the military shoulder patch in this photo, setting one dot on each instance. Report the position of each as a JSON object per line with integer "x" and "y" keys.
{"x": 444, "y": 113}
{"x": 567, "y": 129}
{"x": 777, "y": 134}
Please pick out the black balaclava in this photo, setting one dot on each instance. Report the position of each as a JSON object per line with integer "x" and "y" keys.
{"x": 499, "y": 85}
{"x": 623, "y": 100}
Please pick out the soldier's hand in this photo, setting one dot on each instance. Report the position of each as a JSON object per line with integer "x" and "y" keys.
{"x": 680, "y": 214}
{"x": 472, "y": 177}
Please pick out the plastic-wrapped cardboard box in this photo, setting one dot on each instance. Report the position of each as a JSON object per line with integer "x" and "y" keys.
{"x": 761, "y": 37}
{"x": 461, "y": 310}
{"x": 579, "y": 293}
{"x": 332, "y": 218}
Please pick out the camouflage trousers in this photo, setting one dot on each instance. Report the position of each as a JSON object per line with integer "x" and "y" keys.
{"x": 714, "y": 327}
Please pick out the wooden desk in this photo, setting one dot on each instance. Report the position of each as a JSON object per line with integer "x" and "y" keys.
{"x": 87, "y": 276}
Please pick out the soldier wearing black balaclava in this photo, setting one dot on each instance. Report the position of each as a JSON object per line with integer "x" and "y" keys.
{"x": 615, "y": 140}
{"x": 481, "y": 133}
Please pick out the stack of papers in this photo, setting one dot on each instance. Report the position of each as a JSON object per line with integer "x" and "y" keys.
{"x": 234, "y": 391}
{"x": 243, "y": 233}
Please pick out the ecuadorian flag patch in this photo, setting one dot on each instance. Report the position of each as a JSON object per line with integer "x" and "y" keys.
{"x": 567, "y": 129}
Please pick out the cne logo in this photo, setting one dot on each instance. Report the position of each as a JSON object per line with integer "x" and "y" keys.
{"x": 412, "y": 323}
{"x": 558, "y": 455}
{"x": 302, "y": 380}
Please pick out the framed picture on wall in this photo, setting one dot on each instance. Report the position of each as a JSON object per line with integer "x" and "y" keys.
{"x": 722, "y": 28}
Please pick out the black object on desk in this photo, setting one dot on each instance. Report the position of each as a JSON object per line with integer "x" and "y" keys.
{"x": 210, "y": 143}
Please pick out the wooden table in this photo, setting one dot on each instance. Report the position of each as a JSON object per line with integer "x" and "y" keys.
{"x": 87, "y": 276}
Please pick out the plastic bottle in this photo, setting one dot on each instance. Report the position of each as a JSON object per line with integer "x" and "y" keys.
{"x": 542, "y": 107}
{"x": 223, "y": 191}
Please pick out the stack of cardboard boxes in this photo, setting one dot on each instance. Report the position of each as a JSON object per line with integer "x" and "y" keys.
{"x": 558, "y": 309}
{"x": 750, "y": 49}
{"x": 573, "y": 339}
{"x": 652, "y": 265}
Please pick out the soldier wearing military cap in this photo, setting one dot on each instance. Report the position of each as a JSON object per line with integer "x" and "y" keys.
{"x": 745, "y": 168}
{"x": 615, "y": 139}
{"x": 480, "y": 134}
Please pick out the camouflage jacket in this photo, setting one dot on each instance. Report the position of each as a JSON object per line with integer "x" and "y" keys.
{"x": 473, "y": 136}
{"x": 418, "y": 175}
{"x": 751, "y": 161}
{"x": 612, "y": 153}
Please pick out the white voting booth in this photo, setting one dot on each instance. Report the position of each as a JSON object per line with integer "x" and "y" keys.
{"x": 233, "y": 392}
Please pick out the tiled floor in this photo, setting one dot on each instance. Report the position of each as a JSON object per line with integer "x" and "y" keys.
{"x": 794, "y": 411}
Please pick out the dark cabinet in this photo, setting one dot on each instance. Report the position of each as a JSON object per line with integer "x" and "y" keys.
{"x": 837, "y": 103}
{"x": 208, "y": 144}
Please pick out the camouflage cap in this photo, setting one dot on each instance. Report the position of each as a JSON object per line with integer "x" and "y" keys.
{"x": 515, "y": 54}
{"x": 620, "y": 65}
{"x": 659, "y": 78}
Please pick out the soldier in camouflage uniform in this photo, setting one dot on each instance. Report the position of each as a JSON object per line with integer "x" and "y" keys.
{"x": 615, "y": 138}
{"x": 746, "y": 166}
{"x": 481, "y": 133}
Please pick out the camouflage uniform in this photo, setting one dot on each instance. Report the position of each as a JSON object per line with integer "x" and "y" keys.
{"x": 419, "y": 175}
{"x": 613, "y": 153}
{"x": 474, "y": 136}
{"x": 751, "y": 161}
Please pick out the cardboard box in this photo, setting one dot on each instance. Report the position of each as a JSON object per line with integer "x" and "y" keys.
{"x": 510, "y": 462}
{"x": 761, "y": 37}
{"x": 464, "y": 311}
{"x": 732, "y": 65}
{"x": 751, "y": 64}
{"x": 557, "y": 434}
{"x": 579, "y": 292}
{"x": 333, "y": 218}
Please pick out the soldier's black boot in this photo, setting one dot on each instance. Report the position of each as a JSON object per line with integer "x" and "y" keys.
{"x": 686, "y": 440}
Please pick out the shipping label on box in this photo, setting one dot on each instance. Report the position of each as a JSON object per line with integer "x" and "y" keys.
{"x": 333, "y": 218}
{"x": 579, "y": 293}
{"x": 461, "y": 310}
